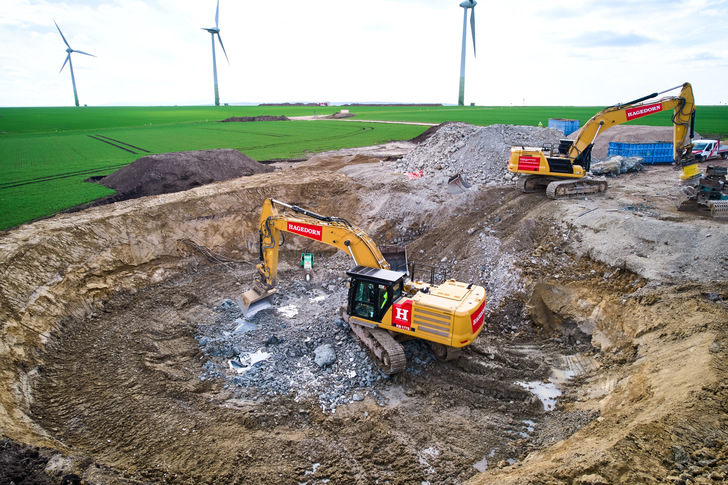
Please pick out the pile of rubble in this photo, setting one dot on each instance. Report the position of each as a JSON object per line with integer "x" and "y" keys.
{"x": 480, "y": 153}
{"x": 300, "y": 348}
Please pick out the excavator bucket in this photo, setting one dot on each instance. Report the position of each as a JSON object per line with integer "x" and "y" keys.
{"x": 457, "y": 184}
{"x": 253, "y": 301}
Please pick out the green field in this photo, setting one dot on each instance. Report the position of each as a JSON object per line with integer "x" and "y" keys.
{"x": 47, "y": 153}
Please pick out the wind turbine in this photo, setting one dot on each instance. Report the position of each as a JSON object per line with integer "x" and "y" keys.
{"x": 70, "y": 64}
{"x": 216, "y": 31}
{"x": 467, "y": 4}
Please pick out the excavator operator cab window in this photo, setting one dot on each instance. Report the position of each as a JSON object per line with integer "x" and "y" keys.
{"x": 371, "y": 299}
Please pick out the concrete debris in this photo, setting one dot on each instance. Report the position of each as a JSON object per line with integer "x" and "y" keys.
{"x": 616, "y": 165}
{"x": 325, "y": 355}
{"x": 478, "y": 152}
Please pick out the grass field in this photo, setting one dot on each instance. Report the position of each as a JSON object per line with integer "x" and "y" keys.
{"x": 47, "y": 153}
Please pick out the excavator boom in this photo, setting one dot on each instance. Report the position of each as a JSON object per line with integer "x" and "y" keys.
{"x": 333, "y": 231}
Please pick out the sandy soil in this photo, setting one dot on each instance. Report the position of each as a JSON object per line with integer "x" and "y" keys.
{"x": 617, "y": 301}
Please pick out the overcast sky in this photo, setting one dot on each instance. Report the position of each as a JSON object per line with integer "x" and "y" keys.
{"x": 532, "y": 52}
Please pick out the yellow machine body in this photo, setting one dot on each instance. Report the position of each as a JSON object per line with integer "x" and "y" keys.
{"x": 572, "y": 160}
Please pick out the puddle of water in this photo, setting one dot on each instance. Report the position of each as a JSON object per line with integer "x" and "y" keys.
{"x": 482, "y": 465}
{"x": 547, "y": 392}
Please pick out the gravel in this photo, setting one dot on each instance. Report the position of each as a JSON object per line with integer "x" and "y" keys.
{"x": 299, "y": 348}
{"x": 481, "y": 153}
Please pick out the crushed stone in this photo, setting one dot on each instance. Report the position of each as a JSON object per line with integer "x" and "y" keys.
{"x": 481, "y": 153}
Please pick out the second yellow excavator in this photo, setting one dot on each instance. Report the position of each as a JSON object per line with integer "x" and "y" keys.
{"x": 384, "y": 306}
{"x": 562, "y": 170}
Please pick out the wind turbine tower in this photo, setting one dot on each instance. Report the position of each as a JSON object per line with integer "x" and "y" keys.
{"x": 467, "y": 4}
{"x": 70, "y": 51}
{"x": 216, "y": 31}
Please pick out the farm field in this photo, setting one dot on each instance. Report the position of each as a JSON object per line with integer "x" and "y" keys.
{"x": 47, "y": 153}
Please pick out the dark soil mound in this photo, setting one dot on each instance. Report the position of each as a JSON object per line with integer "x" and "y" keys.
{"x": 254, "y": 118}
{"x": 429, "y": 132}
{"x": 21, "y": 463}
{"x": 174, "y": 172}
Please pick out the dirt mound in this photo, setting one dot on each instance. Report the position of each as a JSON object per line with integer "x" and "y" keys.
{"x": 174, "y": 172}
{"x": 429, "y": 132}
{"x": 244, "y": 119}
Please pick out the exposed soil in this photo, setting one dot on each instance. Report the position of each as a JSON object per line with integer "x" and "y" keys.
{"x": 119, "y": 338}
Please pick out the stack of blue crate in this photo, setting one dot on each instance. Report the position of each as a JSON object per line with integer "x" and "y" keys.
{"x": 651, "y": 152}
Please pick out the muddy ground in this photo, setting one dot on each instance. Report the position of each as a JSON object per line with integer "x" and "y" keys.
{"x": 617, "y": 301}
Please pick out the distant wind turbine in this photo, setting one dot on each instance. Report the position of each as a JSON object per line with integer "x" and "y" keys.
{"x": 68, "y": 60}
{"x": 467, "y": 4}
{"x": 216, "y": 31}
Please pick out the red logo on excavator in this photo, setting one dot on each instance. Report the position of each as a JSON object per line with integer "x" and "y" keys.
{"x": 528, "y": 163}
{"x": 308, "y": 230}
{"x": 478, "y": 318}
{"x": 402, "y": 315}
{"x": 643, "y": 111}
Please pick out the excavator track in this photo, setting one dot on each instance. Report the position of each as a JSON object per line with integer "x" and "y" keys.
{"x": 529, "y": 184}
{"x": 386, "y": 351}
{"x": 569, "y": 188}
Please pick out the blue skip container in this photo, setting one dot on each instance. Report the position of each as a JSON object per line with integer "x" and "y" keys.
{"x": 567, "y": 126}
{"x": 651, "y": 152}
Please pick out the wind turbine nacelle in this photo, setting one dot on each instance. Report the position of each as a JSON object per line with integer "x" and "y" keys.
{"x": 469, "y": 4}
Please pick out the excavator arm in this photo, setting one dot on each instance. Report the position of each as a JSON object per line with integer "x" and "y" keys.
{"x": 683, "y": 106}
{"x": 334, "y": 231}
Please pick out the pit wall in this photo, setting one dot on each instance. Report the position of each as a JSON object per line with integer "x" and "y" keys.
{"x": 69, "y": 265}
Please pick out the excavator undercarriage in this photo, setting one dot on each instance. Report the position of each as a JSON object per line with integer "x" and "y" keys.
{"x": 559, "y": 188}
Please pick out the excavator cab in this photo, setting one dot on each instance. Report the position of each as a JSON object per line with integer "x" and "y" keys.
{"x": 372, "y": 291}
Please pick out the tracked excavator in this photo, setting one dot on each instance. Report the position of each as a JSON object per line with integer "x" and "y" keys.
{"x": 562, "y": 170}
{"x": 384, "y": 306}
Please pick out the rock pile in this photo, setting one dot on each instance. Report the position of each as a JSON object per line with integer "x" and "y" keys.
{"x": 479, "y": 152}
{"x": 616, "y": 165}
{"x": 299, "y": 348}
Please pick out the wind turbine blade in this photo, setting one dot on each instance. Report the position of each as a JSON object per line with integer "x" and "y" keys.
{"x": 65, "y": 62}
{"x": 223, "y": 47}
{"x": 217, "y": 14}
{"x": 62, "y": 36}
{"x": 472, "y": 27}
{"x": 85, "y": 53}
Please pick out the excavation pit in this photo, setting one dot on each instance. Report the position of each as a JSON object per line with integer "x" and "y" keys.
{"x": 114, "y": 365}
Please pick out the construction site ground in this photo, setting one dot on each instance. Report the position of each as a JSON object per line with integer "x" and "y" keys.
{"x": 603, "y": 359}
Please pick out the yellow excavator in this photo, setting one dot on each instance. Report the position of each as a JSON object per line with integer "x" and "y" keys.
{"x": 384, "y": 306}
{"x": 562, "y": 170}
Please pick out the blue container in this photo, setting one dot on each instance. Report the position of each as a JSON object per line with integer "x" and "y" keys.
{"x": 651, "y": 152}
{"x": 567, "y": 126}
